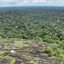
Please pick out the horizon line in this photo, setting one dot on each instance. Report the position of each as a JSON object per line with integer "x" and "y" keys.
{"x": 33, "y": 4}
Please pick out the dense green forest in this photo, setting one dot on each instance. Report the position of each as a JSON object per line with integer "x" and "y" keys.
{"x": 41, "y": 24}
{"x": 32, "y": 23}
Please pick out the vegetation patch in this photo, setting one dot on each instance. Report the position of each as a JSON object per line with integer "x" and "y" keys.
{"x": 10, "y": 58}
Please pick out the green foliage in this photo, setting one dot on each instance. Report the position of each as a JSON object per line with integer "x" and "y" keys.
{"x": 53, "y": 50}
{"x": 19, "y": 44}
{"x": 2, "y": 52}
{"x": 46, "y": 26}
{"x": 10, "y": 58}
{"x": 40, "y": 24}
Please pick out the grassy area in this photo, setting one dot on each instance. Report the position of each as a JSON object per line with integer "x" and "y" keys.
{"x": 11, "y": 59}
{"x": 2, "y": 52}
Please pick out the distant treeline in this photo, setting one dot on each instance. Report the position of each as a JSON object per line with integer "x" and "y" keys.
{"x": 32, "y": 23}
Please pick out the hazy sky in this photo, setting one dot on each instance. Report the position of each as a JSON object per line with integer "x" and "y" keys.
{"x": 32, "y": 2}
